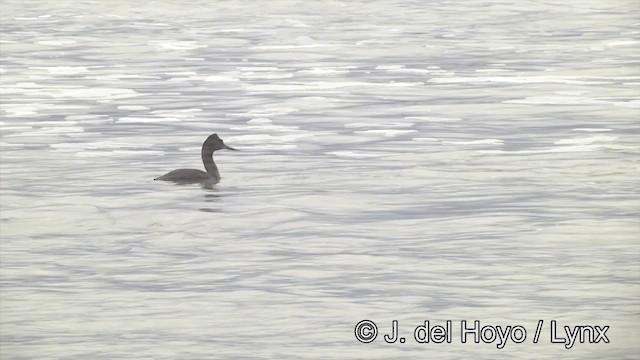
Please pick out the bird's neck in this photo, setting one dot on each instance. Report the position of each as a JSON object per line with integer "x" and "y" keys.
{"x": 209, "y": 165}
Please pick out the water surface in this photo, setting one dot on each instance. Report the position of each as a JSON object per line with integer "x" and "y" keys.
{"x": 400, "y": 160}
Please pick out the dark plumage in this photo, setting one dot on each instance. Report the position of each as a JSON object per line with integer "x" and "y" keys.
{"x": 192, "y": 176}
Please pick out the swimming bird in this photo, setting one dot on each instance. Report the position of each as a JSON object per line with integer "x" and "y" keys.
{"x": 193, "y": 176}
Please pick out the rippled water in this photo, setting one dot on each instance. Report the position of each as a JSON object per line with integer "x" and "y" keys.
{"x": 400, "y": 160}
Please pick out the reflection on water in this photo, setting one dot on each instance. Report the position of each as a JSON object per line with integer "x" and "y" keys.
{"x": 210, "y": 210}
{"x": 414, "y": 162}
{"x": 212, "y": 198}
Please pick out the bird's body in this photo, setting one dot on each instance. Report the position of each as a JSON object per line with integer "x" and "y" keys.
{"x": 193, "y": 176}
{"x": 185, "y": 176}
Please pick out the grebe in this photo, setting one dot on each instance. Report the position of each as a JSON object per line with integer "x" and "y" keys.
{"x": 192, "y": 176}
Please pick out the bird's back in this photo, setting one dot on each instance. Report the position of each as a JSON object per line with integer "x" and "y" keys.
{"x": 186, "y": 176}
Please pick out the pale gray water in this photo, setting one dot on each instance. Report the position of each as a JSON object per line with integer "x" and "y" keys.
{"x": 407, "y": 160}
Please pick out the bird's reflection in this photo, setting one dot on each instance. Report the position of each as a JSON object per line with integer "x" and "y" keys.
{"x": 211, "y": 196}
